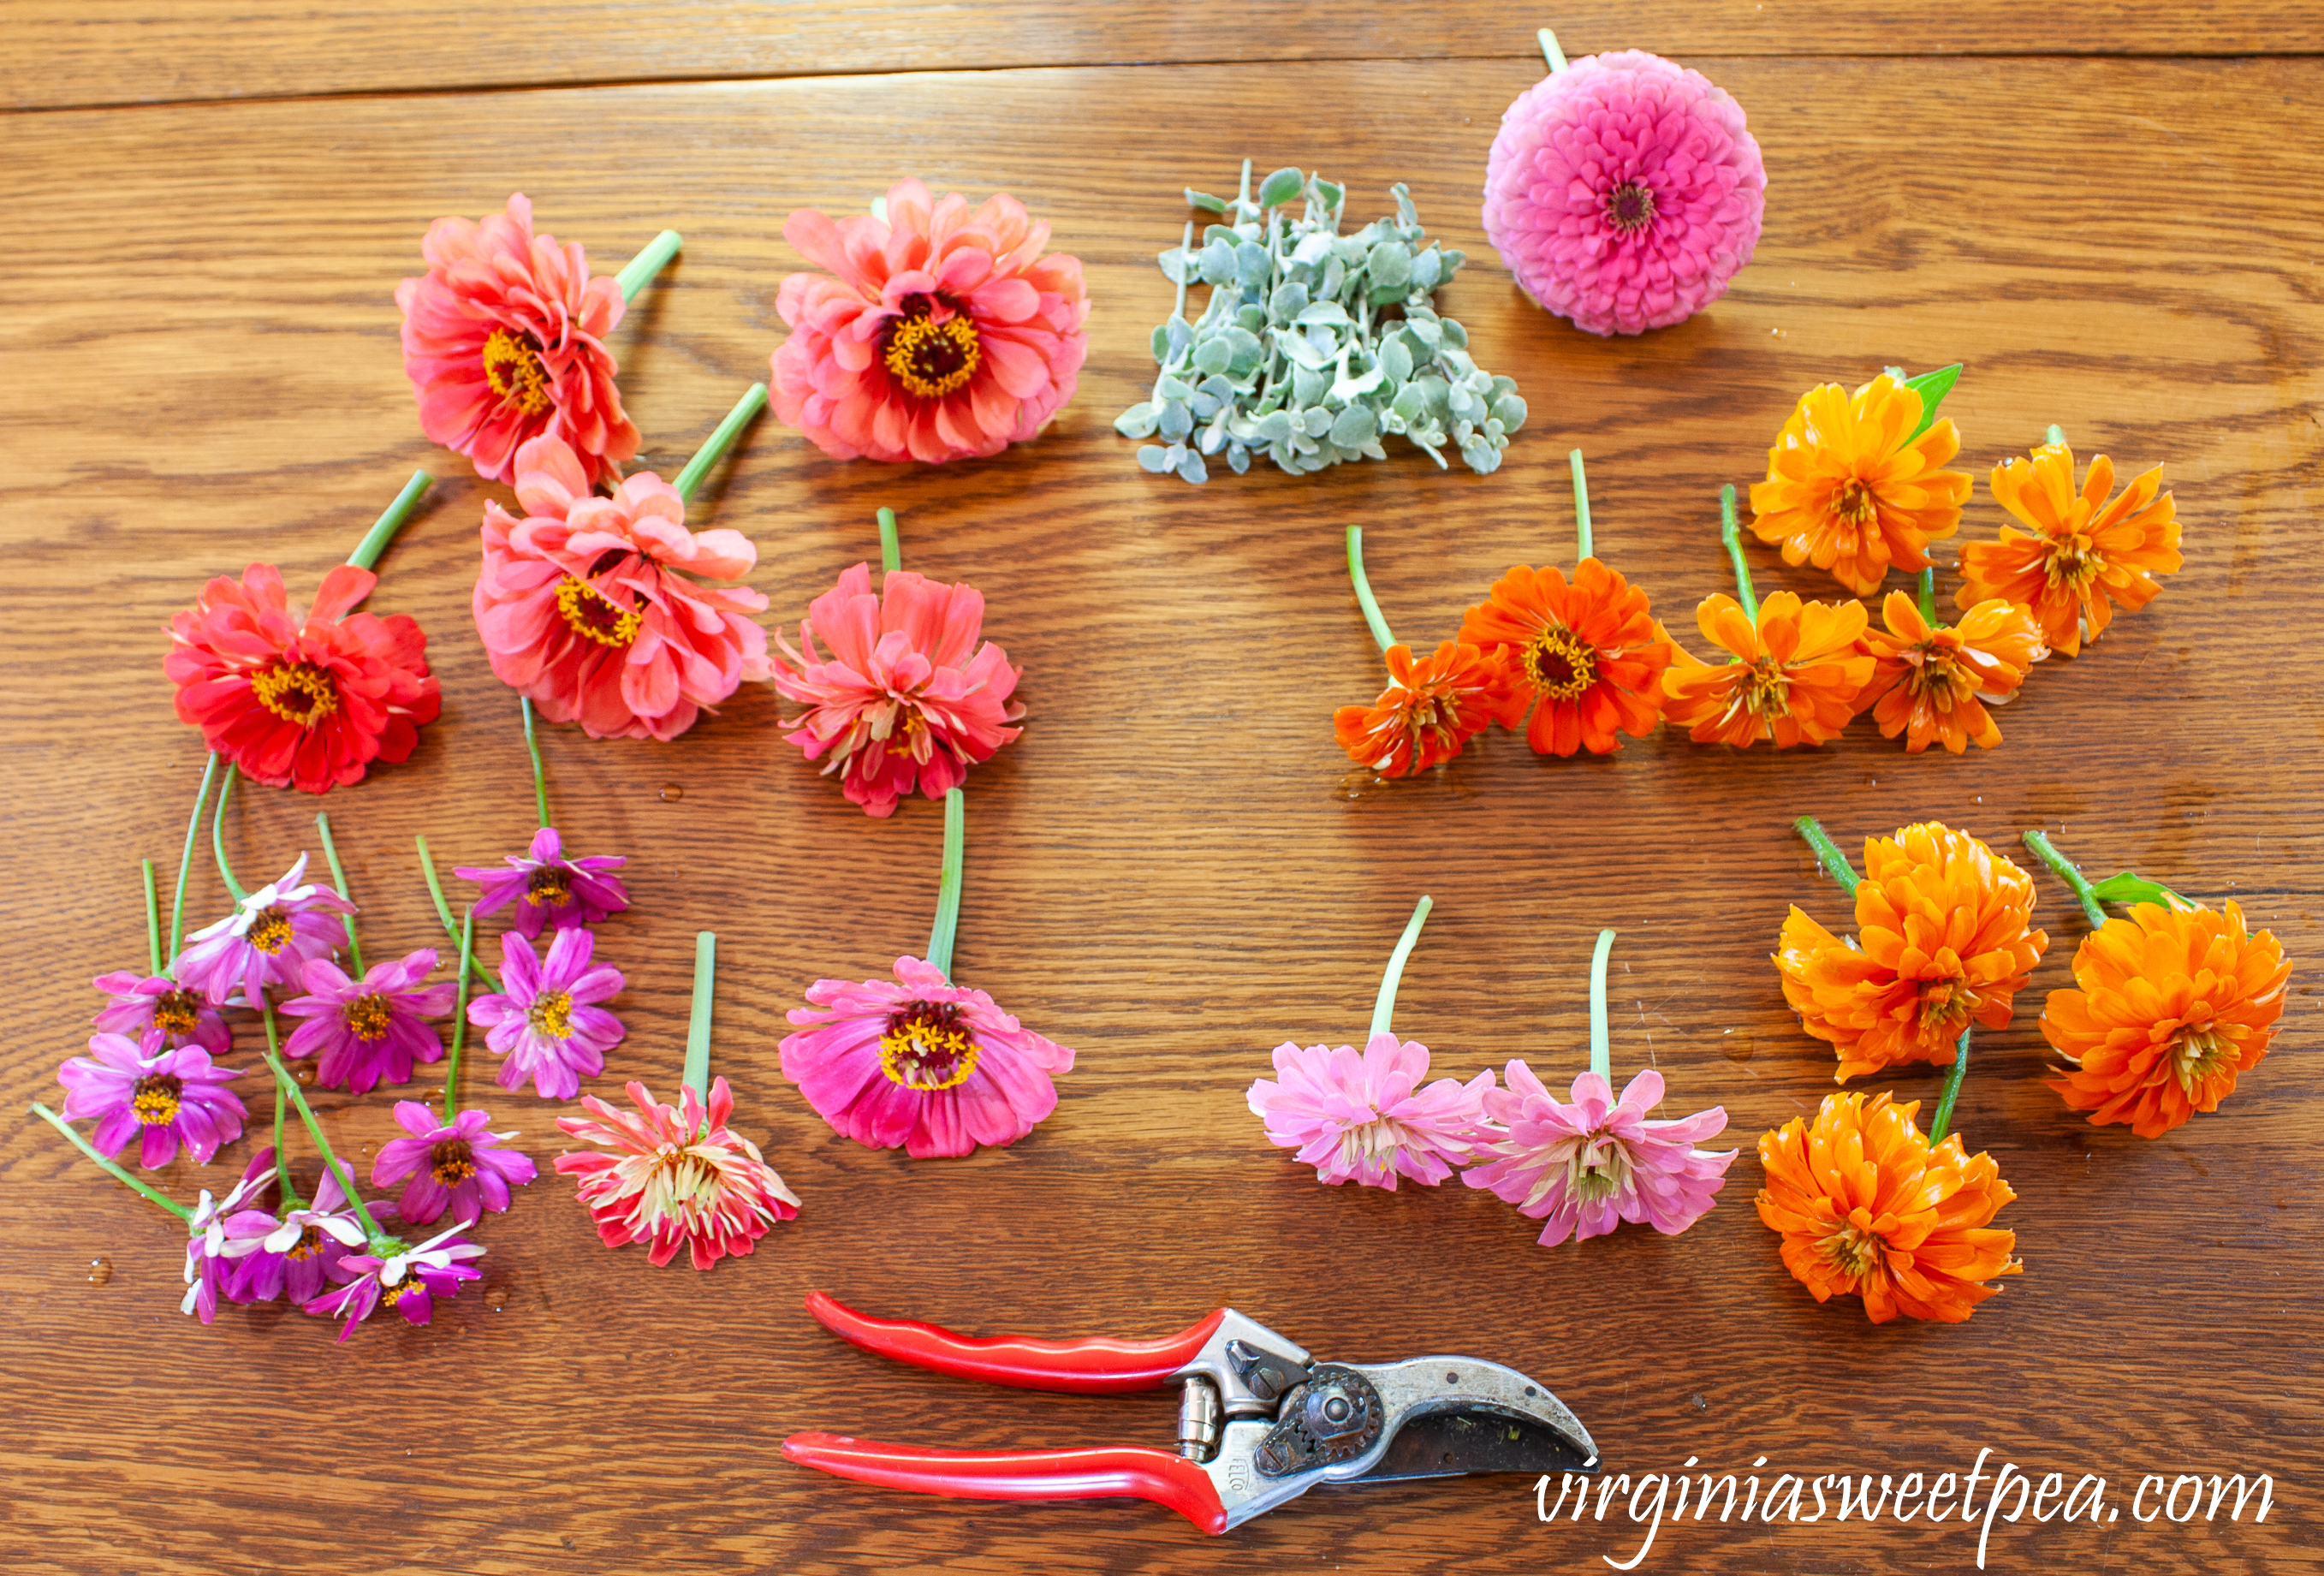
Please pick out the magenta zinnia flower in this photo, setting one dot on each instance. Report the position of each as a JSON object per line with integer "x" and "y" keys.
{"x": 681, "y": 1180}
{"x": 302, "y": 1251}
{"x": 170, "y": 1097}
{"x": 1623, "y": 192}
{"x": 546, "y": 1021}
{"x": 265, "y": 941}
{"x": 408, "y": 1280}
{"x": 927, "y": 1065}
{"x": 456, "y": 1163}
{"x": 140, "y": 1007}
{"x": 1367, "y": 1118}
{"x": 1592, "y": 1164}
{"x": 549, "y": 888}
{"x": 369, "y": 1031}
{"x": 210, "y": 1246}
{"x": 908, "y": 694}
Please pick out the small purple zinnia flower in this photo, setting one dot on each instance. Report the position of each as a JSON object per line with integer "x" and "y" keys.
{"x": 545, "y": 1019}
{"x": 549, "y": 889}
{"x": 170, "y": 1096}
{"x": 139, "y": 1006}
{"x": 370, "y": 1031}
{"x": 1590, "y": 1165}
{"x": 408, "y": 1280}
{"x": 209, "y": 1250}
{"x": 1368, "y": 1118}
{"x": 300, "y": 1251}
{"x": 457, "y": 1164}
{"x": 265, "y": 941}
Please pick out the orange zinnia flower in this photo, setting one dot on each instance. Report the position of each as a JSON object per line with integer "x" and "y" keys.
{"x": 1796, "y": 678}
{"x": 1430, "y": 709}
{"x": 1590, "y": 651}
{"x": 1852, "y": 490}
{"x": 1943, "y": 940}
{"x": 1866, "y": 1206}
{"x": 1927, "y": 680}
{"x": 2085, "y": 554}
{"x": 2169, "y": 1006}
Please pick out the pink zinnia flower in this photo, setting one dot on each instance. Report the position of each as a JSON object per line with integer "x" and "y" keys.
{"x": 211, "y": 1249}
{"x": 368, "y": 1031}
{"x": 302, "y": 1251}
{"x": 545, "y": 1017}
{"x": 1623, "y": 192}
{"x": 946, "y": 333}
{"x": 265, "y": 942}
{"x": 587, "y": 607}
{"x": 1367, "y": 1118}
{"x": 680, "y": 1178}
{"x": 908, "y": 694}
{"x": 140, "y": 1007}
{"x": 549, "y": 888}
{"x": 408, "y": 1280}
{"x": 1592, "y": 1164}
{"x": 160, "y": 1096}
{"x": 455, "y": 1164}
{"x": 927, "y": 1065}
{"x": 504, "y": 340}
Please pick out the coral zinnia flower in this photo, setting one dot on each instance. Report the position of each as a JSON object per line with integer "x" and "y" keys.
{"x": 945, "y": 335}
{"x": 929, "y": 1065}
{"x": 1866, "y": 1207}
{"x": 907, "y": 696}
{"x": 2168, "y": 1007}
{"x": 1849, "y": 489}
{"x": 310, "y": 701}
{"x": 549, "y": 888}
{"x": 1623, "y": 192}
{"x": 585, "y": 605}
{"x": 1795, "y": 682}
{"x": 160, "y": 1096}
{"x": 680, "y": 1178}
{"x": 1944, "y": 940}
{"x": 369, "y": 1031}
{"x": 2085, "y": 554}
{"x": 1930, "y": 681}
{"x": 1367, "y": 1118}
{"x": 1590, "y": 652}
{"x": 1592, "y": 1164}
{"x": 1430, "y": 709}
{"x": 504, "y": 340}
{"x": 545, "y": 1018}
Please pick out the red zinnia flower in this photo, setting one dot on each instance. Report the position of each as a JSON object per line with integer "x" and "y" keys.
{"x": 305, "y": 701}
{"x": 1430, "y": 709}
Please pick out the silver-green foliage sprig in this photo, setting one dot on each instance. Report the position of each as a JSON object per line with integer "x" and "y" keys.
{"x": 1314, "y": 345}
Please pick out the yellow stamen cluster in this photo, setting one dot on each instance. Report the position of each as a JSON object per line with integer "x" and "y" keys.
{"x": 177, "y": 1011}
{"x": 552, "y": 1014}
{"x": 933, "y": 359}
{"x": 451, "y": 1161}
{"x": 1559, "y": 663}
{"x": 928, "y": 1051}
{"x": 513, "y": 368}
{"x": 156, "y": 1100}
{"x": 366, "y": 1017}
{"x": 270, "y": 932}
{"x": 596, "y": 616}
{"x": 297, "y": 692}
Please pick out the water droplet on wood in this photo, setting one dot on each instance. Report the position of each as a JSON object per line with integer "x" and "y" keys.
{"x": 670, "y": 791}
{"x": 100, "y": 1270}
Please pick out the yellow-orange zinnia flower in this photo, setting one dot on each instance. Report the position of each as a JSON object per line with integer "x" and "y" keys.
{"x": 1850, "y": 490}
{"x": 2168, "y": 1007}
{"x": 1866, "y": 1206}
{"x": 2085, "y": 554}
{"x": 1430, "y": 708}
{"x": 1795, "y": 681}
{"x": 1589, "y": 652}
{"x": 1930, "y": 682}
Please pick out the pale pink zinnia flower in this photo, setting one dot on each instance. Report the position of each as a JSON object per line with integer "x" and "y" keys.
{"x": 907, "y": 696}
{"x": 929, "y": 1065}
{"x": 1590, "y": 1165}
{"x": 1366, "y": 1117}
{"x": 587, "y": 605}
{"x": 679, "y": 1178}
{"x": 946, "y": 334}
{"x": 1623, "y": 192}
{"x": 504, "y": 340}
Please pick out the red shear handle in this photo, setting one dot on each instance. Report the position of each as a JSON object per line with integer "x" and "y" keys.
{"x": 1098, "y": 1366}
{"x": 1028, "y": 1474}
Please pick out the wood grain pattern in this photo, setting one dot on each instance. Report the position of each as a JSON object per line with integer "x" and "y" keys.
{"x": 1172, "y": 871}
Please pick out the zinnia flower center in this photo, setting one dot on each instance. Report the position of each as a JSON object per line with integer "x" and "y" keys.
{"x": 1852, "y": 1250}
{"x": 549, "y": 888}
{"x": 2197, "y": 1054}
{"x": 1766, "y": 688}
{"x": 931, "y": 358}
{"x": 928, "y": 1048}
{"x": 1599, "y": 1168}
{"x": 594, "y": 615}
{"x": 1934, "y": 667}
{"x": 270, "y": 932}
{"x": 1559, "y": 663}
{"x": 450, "y": 1161}
{"x": 1377, "y": 1139}
{"x": 177, "y": 1011}
{"x": 2072, "y": 560}
{"x": 552, "y": 1013}
{"x": 389, "y": 1295}
{"x": 366, "y": 1017}
{"x": 156, "y": 1100}
{"x": 513, "y": 368}
{"x": 309, "y": 1243}
{"x": 1855, "y": 503}
{"x": 1630, "y": 206}
{"x": 1945, "y": 1004}
{"x": 297, "y": 692}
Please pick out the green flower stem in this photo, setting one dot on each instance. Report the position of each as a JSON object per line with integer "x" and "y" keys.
{"x": 1580, "y": 506}
{"x": 2063, "y": 869}
{"x": 289, "y": 1200}
{"x": 891, "y": 551}
{"x": 2055, "y": 436}
{"x": 753, "y": 401}
{"x": 217, "y": 836}
{"x": 1929, "y": 596}
{"x": 459, "y": 1014}
{"x": 639, "y": 271}
{"x": 1364, "y": 588}
{"x": 1550, "y": 51}
{"x": 1602, "y": 1044}
{"x": 698, "y": 1026}
{"x": 1828, "y": 852}
{"x": 1943, "y": 1122}
{"x": 186, "y": 860}
{"x": 1384, "y": 1005}
{"x": 444, "y": 909}
{"x": 340, "y": 879}
{"x": 955, "y": 835}
{"x": 539, "y": 779}
{"x": 153, "y": 917}
{"x": 289, "y": 1085}
{"x": 1733, "y": 538}
{"x": 115, "y": 1171}
{"x": 383, "y": 529}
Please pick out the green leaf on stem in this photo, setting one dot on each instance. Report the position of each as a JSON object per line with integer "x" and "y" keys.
{"x": 1933, "y": 387}
{"x": 2130, "y": 887}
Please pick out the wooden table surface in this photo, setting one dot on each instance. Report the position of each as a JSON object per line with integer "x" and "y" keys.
{"x": 2108, "y": 213}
